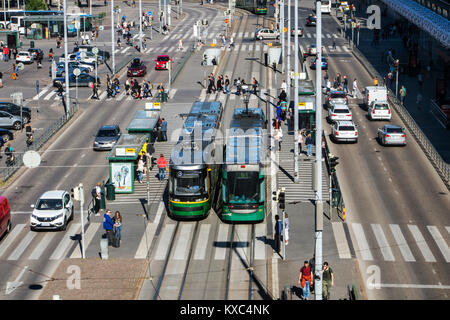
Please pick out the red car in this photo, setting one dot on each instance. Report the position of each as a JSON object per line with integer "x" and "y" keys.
{"x": 136, "y": 68}
{"x": 162, "y": 62}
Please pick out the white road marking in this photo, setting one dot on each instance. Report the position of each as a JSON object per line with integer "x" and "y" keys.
{"x": 103, "y": 95}
{"x": 88, "y": 236}
{"x": 241, "y": 238}
{"x": 202, "y": 242}
{"x": 150, "y": 230}
{"x": 260, "y": 236}
{"x": 401, "y": 243}
{"x": 328, "y": 36}
{"x": 421, "y": 243}
{"x": 48, "y": 97}
{"x": 362, "y": 242}
{"x": 335, "y": 35}
{"x": 413, "y": 286}
{"x": 382, "y": 242}
{"x": 163, "y": 245}
{"x": 221, "y": 241}
{"x": 43, "y": 244}
{"x": 15, "y": 255}
{"x": 4, "y": 245}
{"x": 341, "y": 240}
{"x": 44, "y": 91}
{"x": 202, "y": 95}
{"x": 275, "y": 283}
{"x": 172, "y": 93}
{"x": 181, "y": 248}
{"x": 440, "y": 241}
{"x": 308, "y": 35}
{"x": 66, "y": 242}
{"x": 125, "y": 50}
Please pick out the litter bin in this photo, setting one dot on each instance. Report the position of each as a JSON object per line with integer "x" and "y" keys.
{"x": 31, "y": 44}
{"x": 110, "y": 191}
{"x": 266, "y": 59}
{"x": 102, "y": 197}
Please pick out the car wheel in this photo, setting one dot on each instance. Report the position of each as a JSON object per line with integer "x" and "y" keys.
{"x": 64, "y": 226}
{"x": 8, "y": 227}
{"x": 5, "y": 137}
{"x": 32, "y": 229}
{"x": 17, "y": 125}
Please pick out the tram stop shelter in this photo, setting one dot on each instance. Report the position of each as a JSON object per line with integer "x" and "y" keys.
{"x": 123, "y": 160}
{"x": 145, "y": 122}
{"x": 306, "y": 106}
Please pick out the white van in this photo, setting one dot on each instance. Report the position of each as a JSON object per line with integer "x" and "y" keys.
{"x": 326, "y": 6}
{"x": 374, "y": 93}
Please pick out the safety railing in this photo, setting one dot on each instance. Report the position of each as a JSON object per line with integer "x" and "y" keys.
{"x": 442, "y": 168}
{"x": 38, "y": 142}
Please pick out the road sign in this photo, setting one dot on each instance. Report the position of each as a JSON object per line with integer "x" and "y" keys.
{"x": 285, "y": 29}
{"x": 95, "y": 50}
{"x": 77, "y": 24}
{"x": 77, "y": 72}
{"x": 31, "y": 159}
{"x": 150, "y": 13}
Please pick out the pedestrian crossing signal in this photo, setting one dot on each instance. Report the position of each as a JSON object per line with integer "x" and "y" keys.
{"x": 226, "y": 20}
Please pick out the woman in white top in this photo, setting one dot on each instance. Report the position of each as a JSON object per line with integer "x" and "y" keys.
{"x": 286, "y": 228}
{"x": 300, "y": 141}
{"x": 140, "y": 169}
{"x": 355, "y": 87}
{"x": 279, "y": 137}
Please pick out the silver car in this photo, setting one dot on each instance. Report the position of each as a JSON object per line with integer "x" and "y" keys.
{"x": 106, "y": 137}
{"x": 344, "y": 131}
{"x": 339, "y": 112}
{"x": 266, "y": 33}
{"x": 391, "y": 135}
{"x": 8, "y": 120}
{"x": 336, "y": 97}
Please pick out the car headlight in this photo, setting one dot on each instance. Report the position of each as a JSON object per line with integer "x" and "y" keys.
{"x": 58, "y": 216}
{"x": 34, "y": 217}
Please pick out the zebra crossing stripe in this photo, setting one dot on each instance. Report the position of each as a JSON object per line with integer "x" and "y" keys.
{"x": 170, "y": 49}
{"x": 382, "y": 242}
{"x": 440, "y": 241}
{"x": 338, "y": 49}
{"x": 236, "y": 47}
{"x": 49, "y": 96}
{"x": 448, "y": 229}
{"x": 172, "y": 93}
{"x": 103, "y": 95}
{"x": 185, "y": 36}
{"x": 125, "y": 50}
{"x": 244, "y": 47}
{"x": 221, "y": 242}
{"x": 115, "y": 51}
{"x": 260, "y": 248}
{"x": 246, "y": 35}
{"x": 88, "y": 236}
{"x": 212, "y": 97}
{"x": 362, "y": 242}
{"x": 43, "y": 244}
{"x": 44, "y": 91}
{"x": 202, "y": 95}
{"x": 335, "y": 35}
{"x": 401, "y": 243}
{"x": 163, "y": 245}
{"x": 202, "y": 242}
{"x": 65, "y": 242}
{"x": 257, "y": 47}
{"x": 181, "y": 249}
{"x": 15, "y": 255}
{"x": 232, "y": 96}
{"x": 421, "y": 243}
{"x": 122, "y": 95}
{"x": 222, "y": 97}
{"x": 150, "y": 230}
{"x": 328, "y": 36}
{"x": 241, "y": 238}
{"x": 10, "y": 238}
{"x": 134, "y": 37}
{"x": 308, "y": 35}
{"x": 346, "y": 49}
{"x": 250, "y": 47}
{"x": 341, "y": 240}
{"x": 234, "y": 35}
{"x": 240, "y": 35}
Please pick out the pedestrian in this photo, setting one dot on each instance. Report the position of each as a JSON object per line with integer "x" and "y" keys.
{"x": 282, "y": 97}
{"x": 278, "y": 107}
{"x": 375, "y": 81}
{"x": 144, "y": 43}
{"x": 224, "y": 41}
{"x": 308, "y": 144}
{"x": 327, "y": 281}
{"x": 164, "y": 129}
{"x": 300, "y": 141}
{"x": 279, "y": 137}
{"x": 219, "y": 83}
{"x": 355, "y": 87}
{"x": 328, "y": 86}
{"x": 324, "y": 150}
{"x": 390, "y": 77}
{"x": 127, "y": 87}
{"x": 278, "y": 228}
{"x": 338, "y": 79}
{"x": 334, "y": 44}
{"x": 286, "y": 228}
{"x": 95, "y": 91}
{"x": 283, "y": 110}
{"x": 325, "y": 78}
{"x": 180, "y": 45}
{"x": 227, "y": 85}
{"x": 1, "y": 79}
{"x": 14, "y": 51}
{"x": 117, "y": 227}
{"x": 238, "y": 86}
{"x": 231, "y": 45}
{"x": 162, "y": 164}
{"x": 5, "y": 53}
{"x": 403, "y": 94}
{"x": 140, "y": 168}
{"x": 255, "y": 85}
{"x": 305, "y": 279}
{"x": 384, "y": 81}
{"x": 96, "y": 194}
{"x": 283, "y": 86}
{"x": 108, "y": 224}
{"x": 345, "y": 83}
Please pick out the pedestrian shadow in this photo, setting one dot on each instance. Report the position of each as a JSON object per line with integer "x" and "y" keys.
{"x": 297, "y": 291}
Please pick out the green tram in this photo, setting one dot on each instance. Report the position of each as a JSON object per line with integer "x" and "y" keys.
{"x": 193, "y": 172}
{"x": 255, "y": 6}
{"x": 243, "y": 176}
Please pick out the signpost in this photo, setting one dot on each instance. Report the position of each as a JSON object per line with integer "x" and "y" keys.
{"x": 76, "y": 73}
{"x": 95, "y": 51}
{"x": 37, "y": 92}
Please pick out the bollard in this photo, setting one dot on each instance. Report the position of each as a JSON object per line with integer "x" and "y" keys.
{"x": 104, "y": 248}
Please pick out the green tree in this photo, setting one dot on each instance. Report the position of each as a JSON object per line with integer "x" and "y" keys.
{"x": 35, "y": 5}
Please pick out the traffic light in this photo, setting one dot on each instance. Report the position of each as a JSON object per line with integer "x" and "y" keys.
{"x": 396, "y": 63}
{"x": 282, "y": 199}
{"x": 333, "y": 163}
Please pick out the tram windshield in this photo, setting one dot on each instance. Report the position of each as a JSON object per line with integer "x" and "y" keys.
{"x": 187, "y": 183}
{"x": 243, "y": 186}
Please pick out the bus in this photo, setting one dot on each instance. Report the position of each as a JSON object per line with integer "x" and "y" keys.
{"x": 243, "y": 171}
{"x": 326, "y": 6}
{"x": 255, "y": 6}
{"x": 193, "y": 172}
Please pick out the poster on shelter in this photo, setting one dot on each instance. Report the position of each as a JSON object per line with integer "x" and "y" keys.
{"x": 122, "y": 176}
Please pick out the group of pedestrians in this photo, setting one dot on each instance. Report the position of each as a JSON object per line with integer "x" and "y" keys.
{"x": 112, "y": 224}
{"x": 339, "y": 83}
{"x": 222, "y": 84}
{"x": 307, "y": 275}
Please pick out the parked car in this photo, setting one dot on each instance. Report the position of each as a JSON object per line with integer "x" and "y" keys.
{"x": 374, "y": 93}
{"x": 344, "y": 131}
{"x": 36, "y": 53}
{"x": 14, "y": 109}
{"x": 299, "y": 31}
{"x": 162, "y": 62}
{"x": 339, "y": 112}
{"x": 266, "y": 33}
{"x": 8, "y": 120}
{"x": 311, "y": 20}
{"x": 106, "y": 137}
{"x": 6, "y": 135}
{"x": 391, "y": 135}
{"x": 379, "y": 111}
{"x": 136, "y": 68}
{"x": 87, "y": 48}
{"x": 24, "y": 57}
{"x": 336, "y": 97}
{"x": 61, "y": 67}
{"x": 5, "y": 216}
{"x": 324, "y": 64}
{"x": 84, "y": 80}
{"x": 53, "y": 210}
{"x": 77, "y": 58}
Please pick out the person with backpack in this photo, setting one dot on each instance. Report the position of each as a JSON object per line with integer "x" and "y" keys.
{"x": 305, "y": 280}
{"x": 117, "y": 229}
{"x": 327, "y": 281}
{"x": 108, "y": 225}
{"x": 96, "y": 195}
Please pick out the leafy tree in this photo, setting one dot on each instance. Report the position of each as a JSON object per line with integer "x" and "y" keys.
{"x": 35, "y": 5}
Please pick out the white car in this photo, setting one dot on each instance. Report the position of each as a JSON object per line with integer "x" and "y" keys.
{"x": 339, "y": 112}
{"x": 53, "y": 210}
{"x": 89, "y": 66}
{"x": 344, "y": 131}
{"x": 266, "y": 33}
{"x": 379, "y": 111}
{"x": 76, "y": 57}
{"x": 24, "y": 56}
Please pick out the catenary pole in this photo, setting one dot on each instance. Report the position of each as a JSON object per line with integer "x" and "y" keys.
{"x": 318, "y": 176}
{"x": 282, "y": 34}
{"x": 296, "y": 179}
{"x": 66, "y": 63}
{"x": 288, "y": 60}
{"x": 140, "y": 25}
{"x": 112, "y": 39}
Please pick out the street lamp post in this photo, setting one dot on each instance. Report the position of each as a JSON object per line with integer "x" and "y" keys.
{"x": 112, "y": 38}
{"x": 66, "y": 63}
{"x": 281, "y": 2}
{"x": 288, "y": 62}
{"x": 296, "y": 177}
{"x": 140, "y": 25}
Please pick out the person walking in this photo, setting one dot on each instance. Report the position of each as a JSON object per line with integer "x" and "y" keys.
{"x": 279, "y": 137}
{"x": 305, "y": 279}
{"x": 117, "y": 229}
{"x": 164, "y": 129}
{"x": 286, "y": 228}
{"x": 345, "y": 84}
{"x": 94, "y": 91}
{"x": 375, "y": 81}
{"x": 227, "y": 85}
{"x": 5, "y": 53}
{"x": 327, "y": 281}
{"x": 324, "y": 150}
{"x": 162, "y": 164}
{"x": 308, "y": 145}
{"x": 140, "y": 168}
{"x": 325, "y": 78}
{"x": 108, "y": 224}
{"x": 300, "y": 141}
{"x": 403, "y": 94}
{"x": 355, "y": 87}
{"x": 420, "y": 80}
{"x": 231, "y": 45}
{"x": 283, "y": 86}
{"x": 96, "y": 194}
{"x": 278, "y": 228}
{"x": 255, "y": 85}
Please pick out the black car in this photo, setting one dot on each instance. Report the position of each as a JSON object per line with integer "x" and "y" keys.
{"x": 14, "y": 109}
{"x": 102, "y": 53}
{"x": 84, "y": 80}
{"x": 36, "y": 53}
{"x": 6, "y": 135}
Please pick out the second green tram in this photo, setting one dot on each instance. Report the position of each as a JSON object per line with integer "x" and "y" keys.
{"x": 255, "y": 6}
{"x": 193, "y": 172}
{"x": 243, "y": 171}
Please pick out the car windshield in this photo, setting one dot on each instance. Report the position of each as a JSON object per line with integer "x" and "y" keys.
{"x": 381, "y": 107}
{"x": 338, "y": 96}
{"x": 163, "y": 59}
{"x": 346, "y": 128}
{"x": 243, "y": 186}
{"x": 188, "y": 183}
{"x": 136, "y": 64}
{"x": 49, "y": 204}
{"x": 106, "y": 133}
{"x": 394, "y": 130}
{"x": 341, "y": 111}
